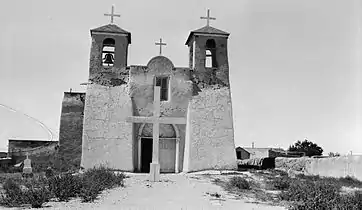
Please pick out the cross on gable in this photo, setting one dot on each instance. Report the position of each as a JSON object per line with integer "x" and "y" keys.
{"x": 156, "y": 120}
{"x": 112, "y": 15}
{"x": 208, "y": 18}
{"x": 160, "y": 44}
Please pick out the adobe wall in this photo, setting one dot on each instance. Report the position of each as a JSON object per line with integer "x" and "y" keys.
{"x": 207, "y": 77}
{"x": 330, "y": 166}
{"x": 209, "y": 132}
{"x": 141, "y": 84}
{"x": 336, "y": 166}
{"x": 19, "y": 148}
{"x": 71, "y": 128}
{"x": 259, "y": 153}
{"x": 107, "y": 137}
{"x": 95, "y": 60}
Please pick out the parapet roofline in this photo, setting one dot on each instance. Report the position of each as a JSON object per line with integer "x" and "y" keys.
{"x": 207, "y": 30}
{"x": 112, "y": 28}
{"x": 28, "y": 139}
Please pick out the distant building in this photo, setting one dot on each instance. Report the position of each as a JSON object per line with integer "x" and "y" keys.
{"x": 243, "y": 153}
{"x": 3, "y": 154}
{"x": 18, "y": 148}
{"x": 5, "y": 162}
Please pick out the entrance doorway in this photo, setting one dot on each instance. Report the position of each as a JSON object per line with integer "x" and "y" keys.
{"x": 169, "y": 148}
{"x": 146, "y": 154}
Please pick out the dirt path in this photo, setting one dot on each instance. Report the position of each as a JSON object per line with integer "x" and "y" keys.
{"x": 174, "y": 191}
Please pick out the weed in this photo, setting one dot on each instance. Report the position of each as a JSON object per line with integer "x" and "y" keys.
{"x": 35, "y": 193}
{"x": 238, "y": 182}
{"x": 65, "y": 186}
{"x": 280, "y": 183}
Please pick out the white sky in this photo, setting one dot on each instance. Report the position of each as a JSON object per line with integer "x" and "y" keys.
{"x": 295, "y": 65}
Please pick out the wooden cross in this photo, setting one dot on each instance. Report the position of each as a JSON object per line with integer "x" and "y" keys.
{"x": 112, "y": 15}
{"x": 208, "y": 18}
{"x": 156, "y": 119}
{"x": 161, "y": 44}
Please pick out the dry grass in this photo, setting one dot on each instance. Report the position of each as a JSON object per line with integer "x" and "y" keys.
{"x": 62, "y": 187}
{"x": 274, "y": 187}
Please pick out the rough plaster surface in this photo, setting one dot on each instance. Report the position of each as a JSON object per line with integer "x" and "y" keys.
{"x": 205, "y": 77}
{"x": 210, "y": 135}
{"x": 336, "y": 166}
{"x": 120, "y": 54}
{"x": 71, "y": 128}
{"x": 141, "y": 86}
{"x": 202, "y": 95}
{"x": 107, "y": 138}
{"x": 296, "y": 164}
{"x": 332, "y": 167}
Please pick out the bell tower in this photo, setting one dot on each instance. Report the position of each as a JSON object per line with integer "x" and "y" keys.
{"x": 109, "y": 48}
{"x": 208, "y": 57}
{"x": 210, "y": 109}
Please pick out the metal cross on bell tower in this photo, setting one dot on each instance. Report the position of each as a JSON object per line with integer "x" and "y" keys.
{"x": 208, "y": 18}
{"x": 112, "y": 15}
{"x": 160, "y": 44}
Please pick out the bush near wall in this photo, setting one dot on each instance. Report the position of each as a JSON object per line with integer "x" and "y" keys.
{"x": 314, "y": 192}
{"x": 38, "y": 190}
{"x": 296, "y": 164}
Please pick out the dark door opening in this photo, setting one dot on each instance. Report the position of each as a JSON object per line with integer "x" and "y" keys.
{"x": 146, "y": 155}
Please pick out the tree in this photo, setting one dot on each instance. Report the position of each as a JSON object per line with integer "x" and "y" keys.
{"x": 308, "y": 147}
{"x": 334, "y": 154}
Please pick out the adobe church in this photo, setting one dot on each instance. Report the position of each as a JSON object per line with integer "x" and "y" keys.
{"x": 155, "y": 117}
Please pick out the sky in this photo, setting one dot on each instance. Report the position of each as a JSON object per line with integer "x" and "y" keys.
{"x": 295, "y": 66}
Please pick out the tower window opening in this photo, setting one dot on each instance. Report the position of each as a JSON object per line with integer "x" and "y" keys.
{"x": 210, "y": 54}
{"x": 108, "y": 52}
{"x": 208, "y": 59}
{"x": 162, "y": 82}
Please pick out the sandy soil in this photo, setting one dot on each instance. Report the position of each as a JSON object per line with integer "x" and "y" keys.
{"x": 174, "y": 191}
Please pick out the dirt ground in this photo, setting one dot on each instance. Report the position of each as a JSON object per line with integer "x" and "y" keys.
{"x": 174, "y": 191}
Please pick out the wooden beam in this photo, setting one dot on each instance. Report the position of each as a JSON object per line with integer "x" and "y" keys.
{"x": 162, "y": 120}
{"x": 172, "y": 120}
{"x": 140, "y": 119}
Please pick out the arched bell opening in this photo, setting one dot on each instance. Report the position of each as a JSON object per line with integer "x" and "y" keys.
{"x": 210, "y": 54}
{"x": 108, "y": 51}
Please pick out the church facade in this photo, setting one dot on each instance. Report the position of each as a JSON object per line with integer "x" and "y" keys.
{"x": 196, "y": 100}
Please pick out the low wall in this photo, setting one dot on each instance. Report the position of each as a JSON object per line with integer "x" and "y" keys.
{"x": 332, "y": 167}
{"x": 337, "y": 166}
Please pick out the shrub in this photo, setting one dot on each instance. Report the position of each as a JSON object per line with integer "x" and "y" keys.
{"x": 39, "y": 189}
{"x": 351, "y": 201}
{"x": 65, "y": 186}
{"x": 350, "y": 182}
{"x": 36, "y": 196}
{"x": 35, "y": 193}
{"x": 105, "y": 177}
{"x": 97, "y": 179}
{"x": 90, "y": 190}
{"x": 238, "y": 182}
{"x": 311, "y": 194}
{"x": 280, "y": 183}
{"x": 13, "y": 194}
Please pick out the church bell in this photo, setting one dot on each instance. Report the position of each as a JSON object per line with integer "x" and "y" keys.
{"x": 108, "y": 59}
